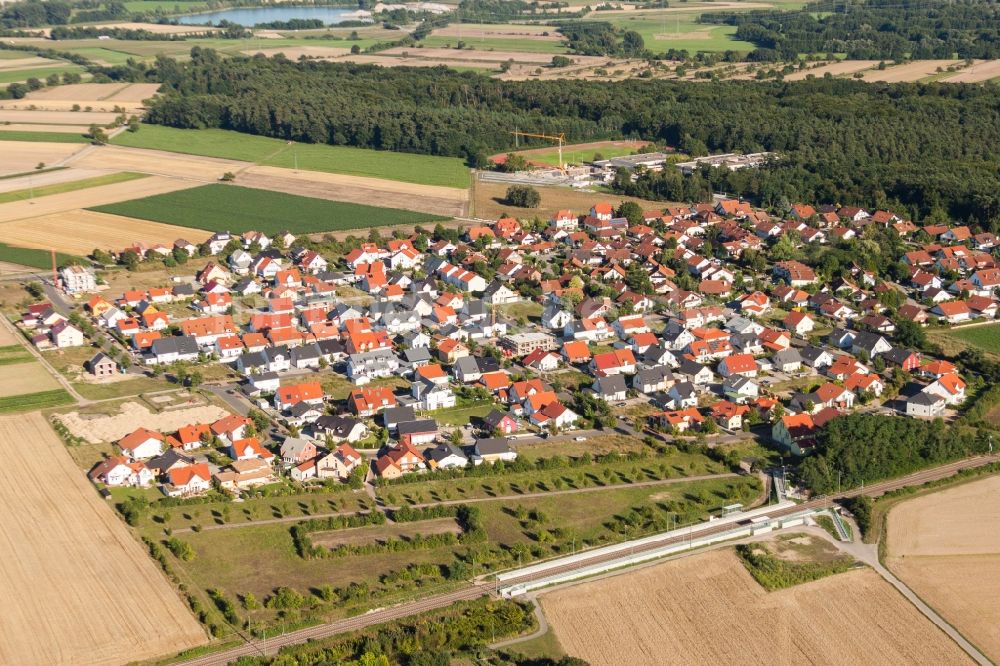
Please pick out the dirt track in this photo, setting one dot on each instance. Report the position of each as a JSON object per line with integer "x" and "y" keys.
{"x": 77, "y": 588}
{"x": 706, "y": 609}
{"x": 946, "y": 547}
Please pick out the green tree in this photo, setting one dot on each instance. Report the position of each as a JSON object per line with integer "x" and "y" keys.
{"x": 523, "y": 196}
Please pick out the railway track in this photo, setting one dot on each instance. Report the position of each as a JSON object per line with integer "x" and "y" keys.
{"x": 473, "y": 591}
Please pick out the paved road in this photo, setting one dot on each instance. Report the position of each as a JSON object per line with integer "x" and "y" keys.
{"x": 868, "y": 553}
{"x": 473, "y": 591}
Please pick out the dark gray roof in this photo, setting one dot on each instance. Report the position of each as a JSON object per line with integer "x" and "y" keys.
{"x": 398, "y": 414}
{"x": 184, "y": 344}
{"x": 419, "y": 426}
{"x": 492, "y": 446}
{"x": 442, "y": 451}
{"x": 340, "y": 426}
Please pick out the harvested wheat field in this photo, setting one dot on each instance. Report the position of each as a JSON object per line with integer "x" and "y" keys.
{"x": 78, "y": 92}
{"x": 135, "y": 92}
{"x": 358, "y": 189}
{"x": 8, "y": 337}
{"x": 92, "y": 230}
{"x": 56, "y": 118}
{"x": 13, "y": 64}
{"x": 77, "y": 588}
{"x": 162, "y": 28}
{"x": 47, "y": 178}
{"x": 946, "y": 547}
{"x": 24, "y": 156}
{"x": 102, "y": 428}
{"x": 24, "y": 378}
{"x": 979, "y": 71}
{"x": 158, "y": 162}
{"x": 911, "y": 71}
{"x": 707, "y": 609}
{"x": 833, "y": 69}
{"x": 92, "y": 196}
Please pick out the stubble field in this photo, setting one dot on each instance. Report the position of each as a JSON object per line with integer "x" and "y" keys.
{"x": 946, "y": 546}
{"x": 77, "y": 588}
{"x": 708, "y": 609}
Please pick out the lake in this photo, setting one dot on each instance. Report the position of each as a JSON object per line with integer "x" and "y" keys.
{"x": 251, "y": 16}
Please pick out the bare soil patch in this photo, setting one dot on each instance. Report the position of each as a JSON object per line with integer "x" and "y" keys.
{"x": 833, "y": 69}
{"x": 132, "y": 415}
{"x": 911, "y": 71}
{"x": 92, "y": 230}
{"x": 25, "y": 378}
{"x": 707, "y": 609}
{"x": 78, "y": 589}
{"x": 93, "y": 196}
{"x": 23, "y": 156}
{"x": 979, "y": 71}
{"x": 946, "y": 547}
{"x": 357, "y": 536}
{"x": 358, "y": 189}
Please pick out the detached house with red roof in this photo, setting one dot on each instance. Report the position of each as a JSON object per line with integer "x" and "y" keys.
{"x": 141, "y": 443}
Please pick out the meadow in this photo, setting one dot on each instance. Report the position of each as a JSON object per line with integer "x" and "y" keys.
{"x": 405, "y": 167}
{"x": 239, "y": 209}
{"x": 43, "y": 137}
{"x": 986, "y": 338}
{"x": 10, "y": 76}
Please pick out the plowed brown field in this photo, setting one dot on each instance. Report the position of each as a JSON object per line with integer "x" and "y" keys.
{"x": 946, "y": 547}
{"x": 707, "y": 609}
{"x": 76, "y": 587}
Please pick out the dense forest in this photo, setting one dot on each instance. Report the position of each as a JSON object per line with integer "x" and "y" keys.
{"x": 932, "y": 148}
{"x": 866, "y": 447}
{"x": 600, "y": 38}
{"x": 871, "y": 29}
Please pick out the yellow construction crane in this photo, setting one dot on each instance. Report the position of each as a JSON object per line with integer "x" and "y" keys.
{"x": 561, "y": 138}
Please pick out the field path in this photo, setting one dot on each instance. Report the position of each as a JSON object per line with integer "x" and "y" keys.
{"x": 78, "y": 589}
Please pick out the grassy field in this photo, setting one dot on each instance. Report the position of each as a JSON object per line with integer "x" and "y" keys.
{"x": 72, "y": 186}
{"x": 405, "y": 167}
{"x": 496, "y": 44}
{"x": 459, "y": 416}
{"x": 10, "y": 76}
{"x": 240, "y": 209}
{"x": 985, "y": 338}
{"x": 28, "y": 257}
{"x": 30, "y": 402}
{"x": 581, "y": 156}
{"x": 43, "y": 137}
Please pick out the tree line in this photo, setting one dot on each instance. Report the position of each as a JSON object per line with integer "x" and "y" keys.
{"x": 924, "y": 146}
{"x": 870, "y": 29}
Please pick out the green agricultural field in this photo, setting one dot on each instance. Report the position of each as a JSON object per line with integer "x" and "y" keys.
{"x": 45, "y": 137}
{"x": 579, "y": 156}
{"x": 72, "y": 186}
{"x": 180, "y": 7}
{"x": 30, "y": 402}
{"x": 985, "y": 338}
{"x": 10, "y": 76}
{"x": 239, "y": 209}
{"x": 494, "y": 44}
{"x": 405, "y": 167}
{"x": 30, "y": 257}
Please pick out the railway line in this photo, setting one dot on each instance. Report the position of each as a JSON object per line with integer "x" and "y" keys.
{"x": 484, "y": 587}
